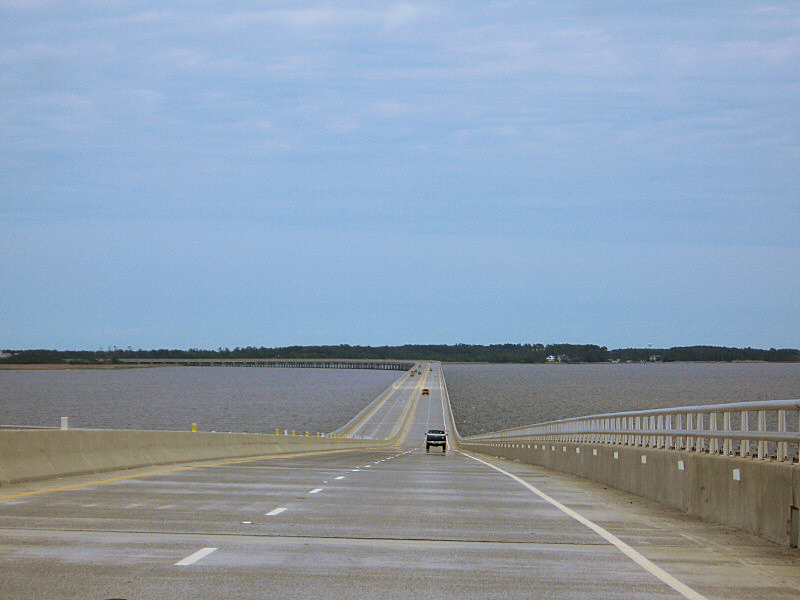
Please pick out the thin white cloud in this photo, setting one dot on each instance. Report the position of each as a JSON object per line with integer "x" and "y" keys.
{"x": 344, "y": 125}
{"x": 393, "y": 108}
{"x": 635, "y": 120}
{"x": 404, "y": 14}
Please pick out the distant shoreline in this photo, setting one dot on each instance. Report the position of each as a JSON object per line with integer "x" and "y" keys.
{"x": 457, "y": 353}
{"x": 68, "y": 367}
{"x": 116, "y": 367}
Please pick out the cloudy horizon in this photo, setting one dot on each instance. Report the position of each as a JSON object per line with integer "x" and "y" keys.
{"x": 211, "y": 174}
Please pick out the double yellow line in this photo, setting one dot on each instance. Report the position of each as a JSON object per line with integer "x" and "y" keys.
{"x": 171, "y": 470}
{"x": 404, "y": 423}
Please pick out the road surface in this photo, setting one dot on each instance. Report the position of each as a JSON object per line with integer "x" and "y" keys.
{"x": 386, "y": 524}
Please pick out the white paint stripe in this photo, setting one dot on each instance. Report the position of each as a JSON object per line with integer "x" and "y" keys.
{"x": 272, "y": 513}
{"x": 315, "y": 491}
{"x": 193, "y": 558}
{"x": 635, "y": 556}
{"x": 340, "y": 477}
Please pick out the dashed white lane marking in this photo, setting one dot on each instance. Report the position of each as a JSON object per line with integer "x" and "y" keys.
{"x": 340, "y": 477}
{"x": 193, "y": 558}
{"x": 274, "y": 512}
{"x": 315, "y": 491}
{"x": 639, "y": 559}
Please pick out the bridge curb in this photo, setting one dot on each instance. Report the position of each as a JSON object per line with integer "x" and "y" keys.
{"x": 754, "y": 495}
{"x": 37, "y": 455}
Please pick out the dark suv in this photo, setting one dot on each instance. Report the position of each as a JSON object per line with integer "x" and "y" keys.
{"x": 435, "y": 437}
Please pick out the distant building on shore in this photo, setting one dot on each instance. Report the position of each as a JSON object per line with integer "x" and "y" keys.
{"x": 559, "y": 358}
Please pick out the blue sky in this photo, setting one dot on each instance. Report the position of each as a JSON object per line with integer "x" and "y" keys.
{"x": 205, "y": 173}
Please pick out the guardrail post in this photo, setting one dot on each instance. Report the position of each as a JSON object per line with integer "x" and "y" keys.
{"x": 744, "y": 445}
{"x": 641, "y": 423}
{"x": 783, "y": 447}
{"x": 712, "y": 426}
{"x": 726, "y": 427}
{"x": 701, "y": 441}
{"x": 670, "y": 441}
{"x": 690, "y": 445}
{"x": 762, "y": 426}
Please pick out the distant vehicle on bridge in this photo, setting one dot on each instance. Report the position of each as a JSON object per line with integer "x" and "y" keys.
{"x": 426, "y": 392}
{"x": 435, "y": 437}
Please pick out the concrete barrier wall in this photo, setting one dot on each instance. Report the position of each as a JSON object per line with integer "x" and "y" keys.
{"x": 34, "y": 455}
{"x": 755, "y": 495}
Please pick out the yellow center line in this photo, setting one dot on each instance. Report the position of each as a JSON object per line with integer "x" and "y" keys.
{"x": 403, "y": 425}
{"x": 171, "y": 470}
{"x": 357, "y": 423}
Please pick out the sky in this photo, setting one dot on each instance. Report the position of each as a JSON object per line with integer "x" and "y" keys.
{"x": 204, "y": 174}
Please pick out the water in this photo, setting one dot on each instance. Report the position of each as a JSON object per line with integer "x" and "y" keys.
{"x": 492, "y": 397}
{"x": 172, "y": 398}
{"x": 484, "y": 397}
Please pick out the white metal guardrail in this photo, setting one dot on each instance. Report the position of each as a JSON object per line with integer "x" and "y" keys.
{"x": 765, "y": 430}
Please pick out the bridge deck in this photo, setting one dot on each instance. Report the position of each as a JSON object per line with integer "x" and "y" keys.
{"x": 393, "y": 524}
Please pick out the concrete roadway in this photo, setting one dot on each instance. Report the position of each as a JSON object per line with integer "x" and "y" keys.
{"x": 384, "y": 419}
{"x": 396, "y": 524}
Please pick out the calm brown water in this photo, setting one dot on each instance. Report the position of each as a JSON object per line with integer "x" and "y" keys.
{"x": 172, "y": 398}
{"x": 484, "y": 397}
{"x": 492, "y": 397}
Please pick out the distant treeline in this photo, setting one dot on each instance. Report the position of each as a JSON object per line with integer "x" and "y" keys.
{"x": 494, "y": 353}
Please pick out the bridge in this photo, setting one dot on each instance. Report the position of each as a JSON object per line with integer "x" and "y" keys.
{"x": 284, "y": 363}
{"x": 366, "y": 513}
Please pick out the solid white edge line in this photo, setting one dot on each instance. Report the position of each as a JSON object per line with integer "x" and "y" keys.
{"x": 274, "y": 512}
{"x": 193, "y": 558}
{"x": 635, "y": 556}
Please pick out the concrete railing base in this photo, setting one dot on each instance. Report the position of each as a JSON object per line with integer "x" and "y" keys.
{"x": 36, "y": 455}
{"x": 758, "y": 496}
